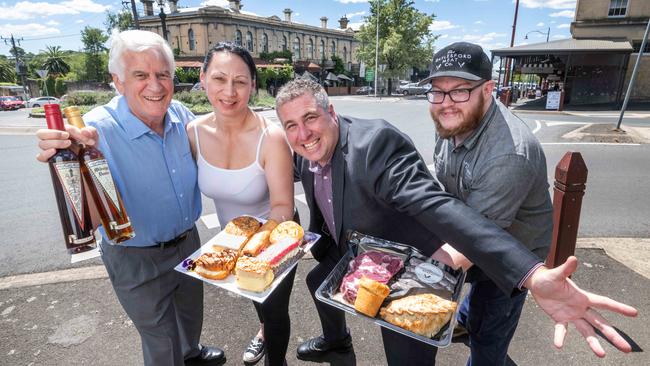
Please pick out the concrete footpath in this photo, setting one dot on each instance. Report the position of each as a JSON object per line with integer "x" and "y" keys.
{"x": 72, "y": 317}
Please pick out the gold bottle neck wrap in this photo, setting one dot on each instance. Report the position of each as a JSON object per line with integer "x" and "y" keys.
{"x": 73, "y": 115}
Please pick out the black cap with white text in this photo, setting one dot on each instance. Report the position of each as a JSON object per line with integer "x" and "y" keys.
{"x": 461, "y": 60}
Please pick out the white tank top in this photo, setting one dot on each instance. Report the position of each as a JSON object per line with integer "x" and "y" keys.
{"x": 235, "y": 192}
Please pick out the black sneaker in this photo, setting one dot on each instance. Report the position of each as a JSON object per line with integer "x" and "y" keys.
{"x": 254, "y": 352}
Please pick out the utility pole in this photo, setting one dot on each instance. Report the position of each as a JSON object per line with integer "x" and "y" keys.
{"x": 633, "y": 77}
{"x": 376, "y": 48}
{"x": 506, "y": 81}
{"x": 20, "y": 67}
{"x": 136, "y": 20}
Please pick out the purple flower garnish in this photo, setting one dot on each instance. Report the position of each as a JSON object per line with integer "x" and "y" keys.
{"x": 188, "y": 264}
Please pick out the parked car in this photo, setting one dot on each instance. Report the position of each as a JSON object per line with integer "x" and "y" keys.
{"x": 40, "y": 101}
{"x": 412, "y": 89}
{"x": 365, "y": 90}
{"x": 11, "y": 103}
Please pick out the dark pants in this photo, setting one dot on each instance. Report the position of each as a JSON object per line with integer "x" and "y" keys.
{"x": 402, "y": 350}
{"x": 491, "y": 318}
{"x": 332, "y": 319}
{"x": 166, "y": 307}
{"x": 274, "y": 314}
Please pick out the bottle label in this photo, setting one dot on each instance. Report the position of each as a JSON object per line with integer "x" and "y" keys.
{"x": 102, "y": 174}
{"x": 70, "y": 178}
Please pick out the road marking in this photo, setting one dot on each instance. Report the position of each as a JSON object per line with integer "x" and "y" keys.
{"x": 591, "y": 143}
{"x": 610, "y": 115}
{"x": 538, "y": 126}
{"x": 560, "y": 123}
{"x": 301, "y": 197}
{"x": 211, "y": 221}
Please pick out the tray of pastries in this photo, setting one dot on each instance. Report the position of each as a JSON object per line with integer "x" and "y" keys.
{"x": 250, "y": 256}
{"x": 397, "y": 287}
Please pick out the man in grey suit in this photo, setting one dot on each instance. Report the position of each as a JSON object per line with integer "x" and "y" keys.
{"x": 366, "y": 175}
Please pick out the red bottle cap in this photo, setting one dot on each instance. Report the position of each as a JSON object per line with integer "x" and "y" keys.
{"x": 53, "y": 117}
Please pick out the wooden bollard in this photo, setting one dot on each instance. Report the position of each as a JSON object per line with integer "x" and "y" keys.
{"x": 569, "y": 187}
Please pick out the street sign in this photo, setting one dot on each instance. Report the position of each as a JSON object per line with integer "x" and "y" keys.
{"x": 41, "y": 73}
{"x": 553, "y": 100}
{"x": 370, "y": 74}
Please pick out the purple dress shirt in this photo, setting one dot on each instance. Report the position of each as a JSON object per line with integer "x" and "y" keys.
{"x": 323, "y": 194}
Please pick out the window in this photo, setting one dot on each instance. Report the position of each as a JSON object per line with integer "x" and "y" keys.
{"x": 333, "y": 48}
{"x": 345, "y": 54}
{"x": 238, "y": 37}
{"x": 310, "y": 48}
{"x": 284, "y": 43}
{"x": 190, "y": 37}
{"x": 617, "y": 8}
{"x": 296, "y": 48}
{"x": 265, "y": 43}
{"x": 321, "y": 49}
{"x": 249, "y": 41}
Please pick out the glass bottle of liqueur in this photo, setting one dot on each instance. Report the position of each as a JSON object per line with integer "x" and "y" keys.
{"x": 69, "y": 192}
{"x": 97, "y": 177}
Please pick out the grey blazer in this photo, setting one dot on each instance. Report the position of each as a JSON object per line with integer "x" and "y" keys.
{"x": 382, "y": 187}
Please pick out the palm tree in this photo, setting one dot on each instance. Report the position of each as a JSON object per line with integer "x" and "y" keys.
{"x": 54, "y": 62}
{"x": 7, "y": 73}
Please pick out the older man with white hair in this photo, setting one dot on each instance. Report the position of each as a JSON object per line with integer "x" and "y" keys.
{"x": 142, "y": 135}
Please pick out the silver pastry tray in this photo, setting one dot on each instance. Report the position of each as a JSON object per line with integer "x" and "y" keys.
{"x": 229, "y": 283}
{"x": 329, "y": 293}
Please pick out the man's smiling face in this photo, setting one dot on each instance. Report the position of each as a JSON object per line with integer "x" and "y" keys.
{"x": 147, "y": 86}
{"x": 312, "y": 131}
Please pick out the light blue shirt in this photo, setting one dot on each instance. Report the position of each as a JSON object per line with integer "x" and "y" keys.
{"x": 156, "y": 176}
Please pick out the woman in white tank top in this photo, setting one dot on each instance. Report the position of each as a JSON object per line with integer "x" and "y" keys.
{"x": 245, "y": 166}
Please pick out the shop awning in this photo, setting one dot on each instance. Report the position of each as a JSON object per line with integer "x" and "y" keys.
{"x": 343, "y": 77}
{"x": 566, "y": 46}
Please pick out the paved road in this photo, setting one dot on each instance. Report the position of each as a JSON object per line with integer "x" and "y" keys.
{"x": 616, "y": 203}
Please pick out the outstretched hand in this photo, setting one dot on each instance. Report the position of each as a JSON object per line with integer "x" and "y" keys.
{"x": 50, "y": 140}
{"x": 566, "y": 303}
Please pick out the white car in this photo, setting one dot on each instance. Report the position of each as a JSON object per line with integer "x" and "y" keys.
{"x": 412, "y": 89}
{"x": 40, "y": 101}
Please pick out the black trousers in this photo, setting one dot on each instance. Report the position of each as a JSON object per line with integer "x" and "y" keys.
{"x": 332, "y": 319}
{"x": 400, "y": 350}
{"x": 274, "y": 314}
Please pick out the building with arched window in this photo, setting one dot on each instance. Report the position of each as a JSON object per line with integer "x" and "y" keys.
{"x": 296, "y": 48}
{"x": 249, "y": 41}
{"x": 237, "y": 37}
{"x": 310, "y": 49}
{"x": 190, "y": 39}
{"x": 265, "y": 43}
{"x": 193, "y": 31}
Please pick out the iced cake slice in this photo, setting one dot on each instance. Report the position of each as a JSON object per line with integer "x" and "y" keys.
{"x": 281, "y": 255}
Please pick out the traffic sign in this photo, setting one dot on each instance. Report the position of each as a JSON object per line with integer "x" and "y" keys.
{"x": 370, "y": 74}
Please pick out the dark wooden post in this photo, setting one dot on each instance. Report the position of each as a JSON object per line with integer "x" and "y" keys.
{"x": 570, "y": 179}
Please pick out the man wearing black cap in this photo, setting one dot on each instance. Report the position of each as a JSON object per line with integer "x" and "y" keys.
{"x": 488, "y": 158}
{"x": 366, "y": 175}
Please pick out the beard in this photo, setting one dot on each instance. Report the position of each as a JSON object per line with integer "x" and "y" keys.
{"x": 470, "y": 122}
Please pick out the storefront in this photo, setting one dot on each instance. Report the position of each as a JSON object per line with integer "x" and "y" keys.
{"x": 588, "y": 71}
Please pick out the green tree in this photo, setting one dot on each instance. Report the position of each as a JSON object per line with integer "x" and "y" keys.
{"x": 7, "y": 71}
{"x": 121, "y": 21}
{"x": 339, "y": 68}
{"x": 93, "y": 40}
{"x": 404, "y": 37}
{"x": 55, "y": 63}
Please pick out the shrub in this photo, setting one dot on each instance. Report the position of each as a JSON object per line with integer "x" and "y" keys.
{"x": 89, "y": 98}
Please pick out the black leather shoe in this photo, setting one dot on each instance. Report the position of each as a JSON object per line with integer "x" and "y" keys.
{"x": 318, "y": 347}
{"x": 209, "y": 356}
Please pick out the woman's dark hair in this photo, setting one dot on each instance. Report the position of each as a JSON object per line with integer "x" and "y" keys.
{"x": 235, "y": 49}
